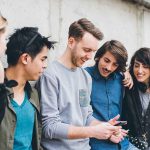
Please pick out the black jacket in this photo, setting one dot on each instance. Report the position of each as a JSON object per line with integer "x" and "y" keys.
{"x": 132, "y": 113}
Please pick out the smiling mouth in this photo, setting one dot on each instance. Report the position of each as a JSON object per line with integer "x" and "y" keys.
{"x": 106, "y": 71}
{"x": 140, "y": 76}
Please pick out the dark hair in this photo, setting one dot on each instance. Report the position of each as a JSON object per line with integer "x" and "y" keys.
{"x": 117, "y": 49}
{"x": 142, "y": 55}
{"x": 78, "y": 28}
{"x": 25, "y": 40}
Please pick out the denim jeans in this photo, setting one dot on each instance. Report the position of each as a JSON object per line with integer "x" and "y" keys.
{"x": 132, "y": 147}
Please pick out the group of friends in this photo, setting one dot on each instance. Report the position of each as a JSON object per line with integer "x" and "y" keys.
{"x": 71, "y": 107}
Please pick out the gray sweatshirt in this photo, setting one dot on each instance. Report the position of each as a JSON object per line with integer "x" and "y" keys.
{"x": 65, "y": 101}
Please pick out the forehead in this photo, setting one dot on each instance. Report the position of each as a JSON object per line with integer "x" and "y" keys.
{"x": 139, "y": 62}
{"x": 136, "y": 61}
{"x": 109, "y": 56}
{"x": 89, "y": 41}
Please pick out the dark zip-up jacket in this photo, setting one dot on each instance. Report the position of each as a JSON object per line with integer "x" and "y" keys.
{"x": 132, "y": 113}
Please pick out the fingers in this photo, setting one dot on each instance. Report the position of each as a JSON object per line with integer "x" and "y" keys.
{"x": 115, "y": 139}
{"x": 114, "y": 121}
{"x": 127, "y": 81}
{"x": 114, "y": 129}
{"x": 131, "y": 84}
{"x": 104, "y": 130}
{"x": 124, "y": 132}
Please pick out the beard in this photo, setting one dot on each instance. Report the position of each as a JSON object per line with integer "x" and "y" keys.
{"x": 75, "y": 61}
{"x": 74, "y": 58}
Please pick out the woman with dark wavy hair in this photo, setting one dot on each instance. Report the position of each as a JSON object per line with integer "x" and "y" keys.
{"x": 136, "y": 104}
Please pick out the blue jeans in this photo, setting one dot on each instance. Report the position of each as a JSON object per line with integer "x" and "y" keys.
{"x": 132, "y": 147}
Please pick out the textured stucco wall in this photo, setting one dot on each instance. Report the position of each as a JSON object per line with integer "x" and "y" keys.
{"x": 117, "y": 19}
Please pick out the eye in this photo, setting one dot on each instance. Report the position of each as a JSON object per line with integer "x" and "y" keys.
{"x": 116, "y": 65}
{"x": 136, "y": 65}
{"x": 145, "y": 66}
{"x": 43, "y": 59}
{"x": 106, "y": 60}
{"x": 87, "y": 49}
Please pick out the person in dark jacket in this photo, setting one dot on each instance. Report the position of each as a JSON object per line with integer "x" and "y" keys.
{"x": 26, "y": 52}
{"x": 136, "y": 104}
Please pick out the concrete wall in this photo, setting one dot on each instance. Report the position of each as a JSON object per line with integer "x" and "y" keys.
{"x": 117, "y": 19}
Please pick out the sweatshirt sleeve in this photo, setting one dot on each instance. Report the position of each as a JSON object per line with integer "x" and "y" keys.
{"x": 51, "y": 122}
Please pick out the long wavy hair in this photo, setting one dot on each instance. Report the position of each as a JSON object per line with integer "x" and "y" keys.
{"x": 143, "y": 56}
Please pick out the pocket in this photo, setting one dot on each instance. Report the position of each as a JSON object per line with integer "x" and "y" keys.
{"x": 83, "y": 98}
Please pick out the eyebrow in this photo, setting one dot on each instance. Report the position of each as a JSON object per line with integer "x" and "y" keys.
{"x": 110, "y": 60}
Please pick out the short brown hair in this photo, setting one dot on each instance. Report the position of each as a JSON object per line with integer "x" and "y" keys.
{"x": 78, "y": 28}
{"x": 117, "y": 49}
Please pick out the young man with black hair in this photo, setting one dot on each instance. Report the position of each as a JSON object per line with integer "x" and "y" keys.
{"x": 26, "y": 52}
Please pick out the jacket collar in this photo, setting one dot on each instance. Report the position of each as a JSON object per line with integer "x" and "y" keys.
{"x": 31, "y": 92}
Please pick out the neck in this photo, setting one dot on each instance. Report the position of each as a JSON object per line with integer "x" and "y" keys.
{"x": 148, "y": 90}
{"x": 66, "y": 59}
{"x": 15, "y": 73}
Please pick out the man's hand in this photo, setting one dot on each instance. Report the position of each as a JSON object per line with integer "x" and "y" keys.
{"x": 127, "y": 81}
{"x": 104, "y": 130}
{"x": 114, "y": 120}
{"x": 118, "y": 136}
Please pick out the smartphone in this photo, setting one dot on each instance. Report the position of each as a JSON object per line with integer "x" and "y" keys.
{"x": 121, "y": 123}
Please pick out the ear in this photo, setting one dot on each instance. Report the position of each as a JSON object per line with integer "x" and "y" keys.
{"x": 71, "y": 42}
{"x": 25, "y": 58}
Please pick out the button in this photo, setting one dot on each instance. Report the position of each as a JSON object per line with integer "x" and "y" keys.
{"x": 13, "y": 120}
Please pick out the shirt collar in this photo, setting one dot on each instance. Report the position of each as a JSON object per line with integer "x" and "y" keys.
{"x": 96, "y": 74}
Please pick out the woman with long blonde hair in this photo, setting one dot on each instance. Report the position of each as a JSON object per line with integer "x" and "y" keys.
{"x": 3, "y": 33}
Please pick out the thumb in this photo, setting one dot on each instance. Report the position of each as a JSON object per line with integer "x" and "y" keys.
{"x": 114, "y": 121}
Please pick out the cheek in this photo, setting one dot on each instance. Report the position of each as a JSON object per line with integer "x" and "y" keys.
{"x": 102, "y": 64}
{"x": 135, "y": 71}
{"x": 114, "y": 69}
{"x": 148, "y": 73}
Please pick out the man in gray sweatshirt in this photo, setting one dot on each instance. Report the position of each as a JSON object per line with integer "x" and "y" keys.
{"x": 65, "y": 87}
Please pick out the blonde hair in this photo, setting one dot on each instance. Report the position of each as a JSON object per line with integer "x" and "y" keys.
{"x": 3, "y": 23}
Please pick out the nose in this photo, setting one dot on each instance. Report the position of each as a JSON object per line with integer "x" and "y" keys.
{"x": 109, "y": 67}
{"x": 140, "y": 69}
{"x": 45, "y": 64}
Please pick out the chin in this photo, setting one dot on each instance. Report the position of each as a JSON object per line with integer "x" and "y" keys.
{"x": 142, "y": 81}
{"x": 104, "y": 75}
{"x": 35, "y": 78}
